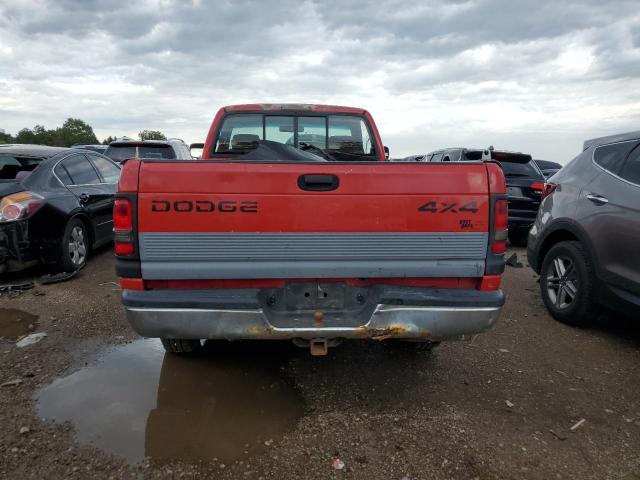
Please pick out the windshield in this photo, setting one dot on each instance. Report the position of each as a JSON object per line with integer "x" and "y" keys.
{"x": 120, "y": 153}
{"x": 341, "y": 137}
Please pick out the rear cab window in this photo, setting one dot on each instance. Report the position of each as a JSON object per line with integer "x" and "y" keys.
{"x": 346, "y": 137}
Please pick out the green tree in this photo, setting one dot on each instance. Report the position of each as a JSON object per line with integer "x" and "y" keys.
{"x": 151, "y": 135}
{"x": 26, "y": 135}
{"x": 108, "y": 140}
{"x": 6, "y": 138}
{"x": 74, "y": 131}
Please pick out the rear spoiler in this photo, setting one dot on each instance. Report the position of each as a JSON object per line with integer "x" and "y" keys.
{"x": 499, "y": 156}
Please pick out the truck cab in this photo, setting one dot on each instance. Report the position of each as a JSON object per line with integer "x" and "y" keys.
{"x": 344, "y": 133}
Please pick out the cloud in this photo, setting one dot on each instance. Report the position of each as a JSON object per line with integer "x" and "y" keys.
{"x": 537, "y": 77}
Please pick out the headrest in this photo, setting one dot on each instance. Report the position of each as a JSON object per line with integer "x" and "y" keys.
{"x": 244, "y": 141}
{"x": 22, "y": 174}
{"x": 345, "y": 143}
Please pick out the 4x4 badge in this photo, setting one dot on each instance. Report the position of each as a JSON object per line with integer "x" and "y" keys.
{"x": 443, "y": 207}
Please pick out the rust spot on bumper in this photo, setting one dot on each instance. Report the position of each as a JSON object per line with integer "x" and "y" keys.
{"x": 259, "y": 331}
{"x": 388, "y": 332}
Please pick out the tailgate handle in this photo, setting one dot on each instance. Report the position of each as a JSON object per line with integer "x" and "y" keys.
{"x": 318, "y": 183}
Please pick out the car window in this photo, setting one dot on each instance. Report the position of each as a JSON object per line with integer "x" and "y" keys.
{"x": 279, "y": 129}
{"x": 349, "y": 134}
{"x": 240, "y": 133}
{"x": 631, "y": 168}
{"x": 437, "y": 157}
{"x": 120, "y": 153}
{"x": 62, "y": 174}
{"x": 611, "y": 157}
{"x": 512, "y": 169}
{"x": 10, "y": 165}
{"x": 80, "y": 171}
{"x": 313, "y": 131}
{"x": 452, "y": 156}
{"x": 108, "y": 171}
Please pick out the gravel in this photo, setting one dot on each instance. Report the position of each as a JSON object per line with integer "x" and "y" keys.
{"x": 530, "y": 399}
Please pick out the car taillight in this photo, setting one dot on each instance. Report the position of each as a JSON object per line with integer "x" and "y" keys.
{"x": 123, "y": 227}
{"x": 500, "y": 225}
{"x": 19, "y": 205}
{"x": 548, "y": 189}
{"x": 537, "y": 187}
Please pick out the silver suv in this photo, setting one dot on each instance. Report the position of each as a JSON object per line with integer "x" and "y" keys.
{"x": 171, "y": 149}
{"x": 585, "y": 242}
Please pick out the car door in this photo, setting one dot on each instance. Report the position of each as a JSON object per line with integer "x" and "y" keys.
{"x": 609, "y": 211}
{"x": 82, "y": 179}
{"x": 109, "y": 175}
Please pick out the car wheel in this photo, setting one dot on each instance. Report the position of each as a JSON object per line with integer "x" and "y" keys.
{"x": 180, "y": 345}
{"x": 518, "y": 238}
{"x": 567, "y": 284}
{"x": 75, "y": 246}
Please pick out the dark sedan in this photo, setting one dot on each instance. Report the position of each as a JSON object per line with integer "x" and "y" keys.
{"x": 55, "y": 205}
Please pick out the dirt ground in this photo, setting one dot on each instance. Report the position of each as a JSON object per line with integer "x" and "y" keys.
{"x": 499, "y": 407}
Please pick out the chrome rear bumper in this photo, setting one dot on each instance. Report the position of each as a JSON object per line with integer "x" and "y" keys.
{"x": 387, "y": 321}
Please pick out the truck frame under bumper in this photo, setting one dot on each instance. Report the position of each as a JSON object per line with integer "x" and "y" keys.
{"x": 389, "y": 312}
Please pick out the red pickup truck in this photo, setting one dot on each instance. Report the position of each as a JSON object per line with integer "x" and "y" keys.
{"x": 293, "y": 226}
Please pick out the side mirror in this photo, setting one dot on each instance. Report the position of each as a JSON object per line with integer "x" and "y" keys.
{"x": 196, "y": 146}
{"x": 386, "y": 152}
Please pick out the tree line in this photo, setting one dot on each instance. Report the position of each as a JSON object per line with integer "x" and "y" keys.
{"x": 72, "y": 132}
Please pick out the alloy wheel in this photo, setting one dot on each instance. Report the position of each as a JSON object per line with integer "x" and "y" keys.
{"x": 77, "y": 246}
{"x": 562, "y": 282}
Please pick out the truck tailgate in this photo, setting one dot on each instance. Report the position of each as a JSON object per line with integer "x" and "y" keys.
{"x": 241, "y": 220}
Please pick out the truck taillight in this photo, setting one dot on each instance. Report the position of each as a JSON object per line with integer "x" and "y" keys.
{"x": 500, "y": 226}
{"x": 123, "y": 227}
{"x": 549, "y": 188}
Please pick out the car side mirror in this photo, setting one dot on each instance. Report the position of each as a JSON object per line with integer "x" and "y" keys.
{"x": 196, "y": 146}
{"x": 386, "y": 152}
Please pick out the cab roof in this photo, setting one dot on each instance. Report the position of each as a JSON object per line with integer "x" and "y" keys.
{"x": 292, "y": 107}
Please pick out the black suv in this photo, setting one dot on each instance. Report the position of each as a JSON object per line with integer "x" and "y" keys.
{"x": 525, "y": 183}
{"x": 584, "y": 243}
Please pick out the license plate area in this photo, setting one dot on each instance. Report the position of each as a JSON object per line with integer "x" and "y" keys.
{"x": 314, "y": 295}
{"x": 514, "y": 191}
{"x": 302, "y": 304}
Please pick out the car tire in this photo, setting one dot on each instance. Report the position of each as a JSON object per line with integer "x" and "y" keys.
{"x": 181, "y": 345}
{"x": 569, "y": 297}
{"x": 518, "y": 238}
{"x": 75, "y": 246}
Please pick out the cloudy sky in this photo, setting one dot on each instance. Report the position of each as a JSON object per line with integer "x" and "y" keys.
{"x": 532, "y": 76}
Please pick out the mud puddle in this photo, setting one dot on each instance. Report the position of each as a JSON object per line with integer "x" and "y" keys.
{"x": 137, "y": 402}
{"x": 16, "y": 323}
